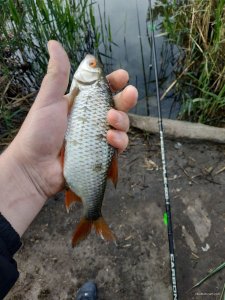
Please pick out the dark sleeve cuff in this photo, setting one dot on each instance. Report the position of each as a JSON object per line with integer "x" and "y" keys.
{"x": 9, "y": 244}
{"x": 8, "y": 275}
{"x": 9, "y": 236}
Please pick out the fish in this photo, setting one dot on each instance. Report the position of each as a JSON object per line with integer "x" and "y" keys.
{"x": 88, "y": 159}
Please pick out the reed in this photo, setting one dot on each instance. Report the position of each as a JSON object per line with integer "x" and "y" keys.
{"x": 197, "y": 27}
{"x": 14, "y": 105}
{"x": 209, "y": 275}
{"x": 25, "y": 28}
{"x": 27, "y": 25}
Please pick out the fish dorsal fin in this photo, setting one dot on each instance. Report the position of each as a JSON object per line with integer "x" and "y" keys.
{"x": 113, "y": 169}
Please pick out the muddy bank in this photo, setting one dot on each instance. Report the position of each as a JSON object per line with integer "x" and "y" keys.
{"x": 138, "y": 267}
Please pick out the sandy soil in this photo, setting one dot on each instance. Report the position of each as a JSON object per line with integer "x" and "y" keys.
{"x": 138, "y": 267}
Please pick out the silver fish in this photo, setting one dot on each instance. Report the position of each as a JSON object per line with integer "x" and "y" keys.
{"x": 88, "y": 158}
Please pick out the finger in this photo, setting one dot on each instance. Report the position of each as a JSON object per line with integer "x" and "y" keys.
{"x": 118, "y": 79}
{"x": 56, "y": 80}
{"x": 117, "y": 139}
{"x": 126, "y": 99}
{"x": 118, "y": 119}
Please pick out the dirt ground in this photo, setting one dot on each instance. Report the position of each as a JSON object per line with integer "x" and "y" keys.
{"x": 138, "y": 267}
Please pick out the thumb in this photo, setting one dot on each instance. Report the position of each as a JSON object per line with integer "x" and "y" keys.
{"x": 56, "y": 80}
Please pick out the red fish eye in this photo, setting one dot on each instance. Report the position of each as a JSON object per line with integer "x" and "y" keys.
{"x": 93, "y": 64}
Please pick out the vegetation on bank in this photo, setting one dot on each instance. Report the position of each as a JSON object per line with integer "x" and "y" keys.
{"x": 27, "y": 25}
{"x": 25, "y": 28}
{"x": 197, "y": 27}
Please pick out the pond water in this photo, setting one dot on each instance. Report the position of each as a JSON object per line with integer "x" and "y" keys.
{"x": 129, "y": 27}
{"x": 132, "y": 51}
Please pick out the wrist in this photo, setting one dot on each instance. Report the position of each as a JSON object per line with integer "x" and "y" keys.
{"x": 20, "y": 198}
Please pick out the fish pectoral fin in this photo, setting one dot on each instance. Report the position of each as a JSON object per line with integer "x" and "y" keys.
{"x": 82, "y": 231}
{"x": 102, "y": 228}
{"x": 113, "y": 169}
{"x": 70, "y": 198}
{"x": 71, "y": 97}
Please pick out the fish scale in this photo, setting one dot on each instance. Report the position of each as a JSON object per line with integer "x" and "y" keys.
{"x": 87, "y": 153}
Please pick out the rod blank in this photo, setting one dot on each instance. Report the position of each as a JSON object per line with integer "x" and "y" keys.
{"x": 164, "y": 165}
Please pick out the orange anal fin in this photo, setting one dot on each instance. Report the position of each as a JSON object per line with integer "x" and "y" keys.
{"x": 113, "y": 170}
{"x": 82, "y": 231}
{"x": 103, "y": 230}
{"x": 71, "y": 197}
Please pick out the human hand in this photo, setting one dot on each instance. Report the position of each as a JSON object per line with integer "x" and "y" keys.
{"x": 41, "y": 136}
{"x": 36, "y": 148}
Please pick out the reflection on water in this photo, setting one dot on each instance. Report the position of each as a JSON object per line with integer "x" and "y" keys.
{"x": 130, "y": 39}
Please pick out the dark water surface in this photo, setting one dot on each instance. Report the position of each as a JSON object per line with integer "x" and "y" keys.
{"x": 133, "y": 53}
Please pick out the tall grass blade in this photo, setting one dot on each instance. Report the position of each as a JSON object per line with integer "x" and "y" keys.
{"x": 213, "y": 272}
{"x": 222, "y": 297}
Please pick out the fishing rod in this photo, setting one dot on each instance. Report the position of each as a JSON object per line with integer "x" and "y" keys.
{"x": 164, "y": 165}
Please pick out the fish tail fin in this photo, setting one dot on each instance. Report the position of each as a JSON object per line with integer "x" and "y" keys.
{"x": 82, "y": 231}
{"x": 102, "y": 228}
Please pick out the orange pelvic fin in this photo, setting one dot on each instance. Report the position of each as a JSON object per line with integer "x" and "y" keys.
{"x": 70, "y": 198}
{"x": 113, "y": 170}
{"x": 103, "y": 230}
{"x": 82, "y": 231}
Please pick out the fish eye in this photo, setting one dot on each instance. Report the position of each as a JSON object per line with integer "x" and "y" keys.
{"x": 93, "y": 64}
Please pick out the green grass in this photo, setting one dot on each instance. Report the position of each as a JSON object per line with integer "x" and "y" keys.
{"x": 209, "y": 275}
{"x": 197, "y": 27}
{"x": 25, "y": 28}
{"x": 27, "y": 25}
